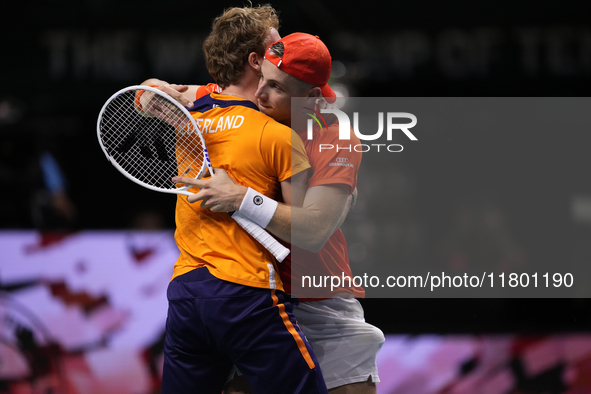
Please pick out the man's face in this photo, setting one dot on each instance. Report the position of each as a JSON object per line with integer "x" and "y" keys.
{"x": 276, "y": 88}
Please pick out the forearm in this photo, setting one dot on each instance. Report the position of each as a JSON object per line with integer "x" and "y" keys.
{"x": 280, "y": 224}
{"x": 154, "y": 81}
{"x": 309, "y": 226}
{"x": 306, "y": 228}
{"x": 185, "y": 94}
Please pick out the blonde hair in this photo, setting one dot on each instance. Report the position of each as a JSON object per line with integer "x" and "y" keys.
{"x": 234, "y": 35}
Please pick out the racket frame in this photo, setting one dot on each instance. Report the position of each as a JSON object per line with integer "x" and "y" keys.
{"x": 206, "y": 161}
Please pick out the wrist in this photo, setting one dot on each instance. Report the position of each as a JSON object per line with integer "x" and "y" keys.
{"x": 139, "y": 103}
{"x": 239, "y": 196}
{"x": 258, "y": 207}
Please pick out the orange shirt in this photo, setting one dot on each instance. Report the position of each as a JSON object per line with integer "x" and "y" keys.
{"x": 256, "y": 151}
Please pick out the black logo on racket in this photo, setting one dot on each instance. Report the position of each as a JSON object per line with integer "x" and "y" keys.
{"x": 257, "y": 200}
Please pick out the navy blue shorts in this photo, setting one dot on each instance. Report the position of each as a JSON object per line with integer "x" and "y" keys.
{"x": 213, "y": 324}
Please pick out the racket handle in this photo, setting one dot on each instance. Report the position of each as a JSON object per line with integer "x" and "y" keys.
{"x": 271, "y": 244}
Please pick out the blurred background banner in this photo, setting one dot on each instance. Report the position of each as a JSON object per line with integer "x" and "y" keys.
{"x": 458, "y": 199}
{"x": 84, "y": 313}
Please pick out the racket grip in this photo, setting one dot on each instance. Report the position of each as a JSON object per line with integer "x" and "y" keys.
{"x": 271, "y": 244}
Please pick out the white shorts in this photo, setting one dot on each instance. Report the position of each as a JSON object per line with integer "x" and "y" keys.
{"x": 345, "y": 345}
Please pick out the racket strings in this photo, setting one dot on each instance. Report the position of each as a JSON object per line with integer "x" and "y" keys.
{"x": 152, "y": 144}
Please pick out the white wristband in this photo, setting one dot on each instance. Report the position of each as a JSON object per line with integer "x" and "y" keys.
{"x": 258, "y": 207}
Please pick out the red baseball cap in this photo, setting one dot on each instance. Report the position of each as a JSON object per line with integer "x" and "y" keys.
{"x": 307, "y": 58}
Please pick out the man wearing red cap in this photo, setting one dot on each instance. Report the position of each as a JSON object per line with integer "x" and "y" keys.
{"x": 299, "y": 66}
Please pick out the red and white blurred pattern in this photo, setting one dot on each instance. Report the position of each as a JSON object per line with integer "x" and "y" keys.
{"x": 485, "y": 364}
{"x": 84, "y": 313}
{"x": 88, "y": 309}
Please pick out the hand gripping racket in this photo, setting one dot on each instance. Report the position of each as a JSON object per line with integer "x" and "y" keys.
{"x": 150, "y": 137}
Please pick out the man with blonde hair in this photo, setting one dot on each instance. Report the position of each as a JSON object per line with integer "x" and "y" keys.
{"x": 226, "y": 304}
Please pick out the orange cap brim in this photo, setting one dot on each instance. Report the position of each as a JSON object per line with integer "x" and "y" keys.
{"x": 328, "y": 94}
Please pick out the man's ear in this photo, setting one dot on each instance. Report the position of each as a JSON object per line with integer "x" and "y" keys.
{"x": 255, "y": 61}
{"x": 314, "y": 92}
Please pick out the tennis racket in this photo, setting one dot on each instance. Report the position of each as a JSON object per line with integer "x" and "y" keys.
{"x": 150, "y": 137}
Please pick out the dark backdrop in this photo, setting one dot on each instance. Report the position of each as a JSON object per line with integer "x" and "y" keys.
{"x": 61, "y": 60}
